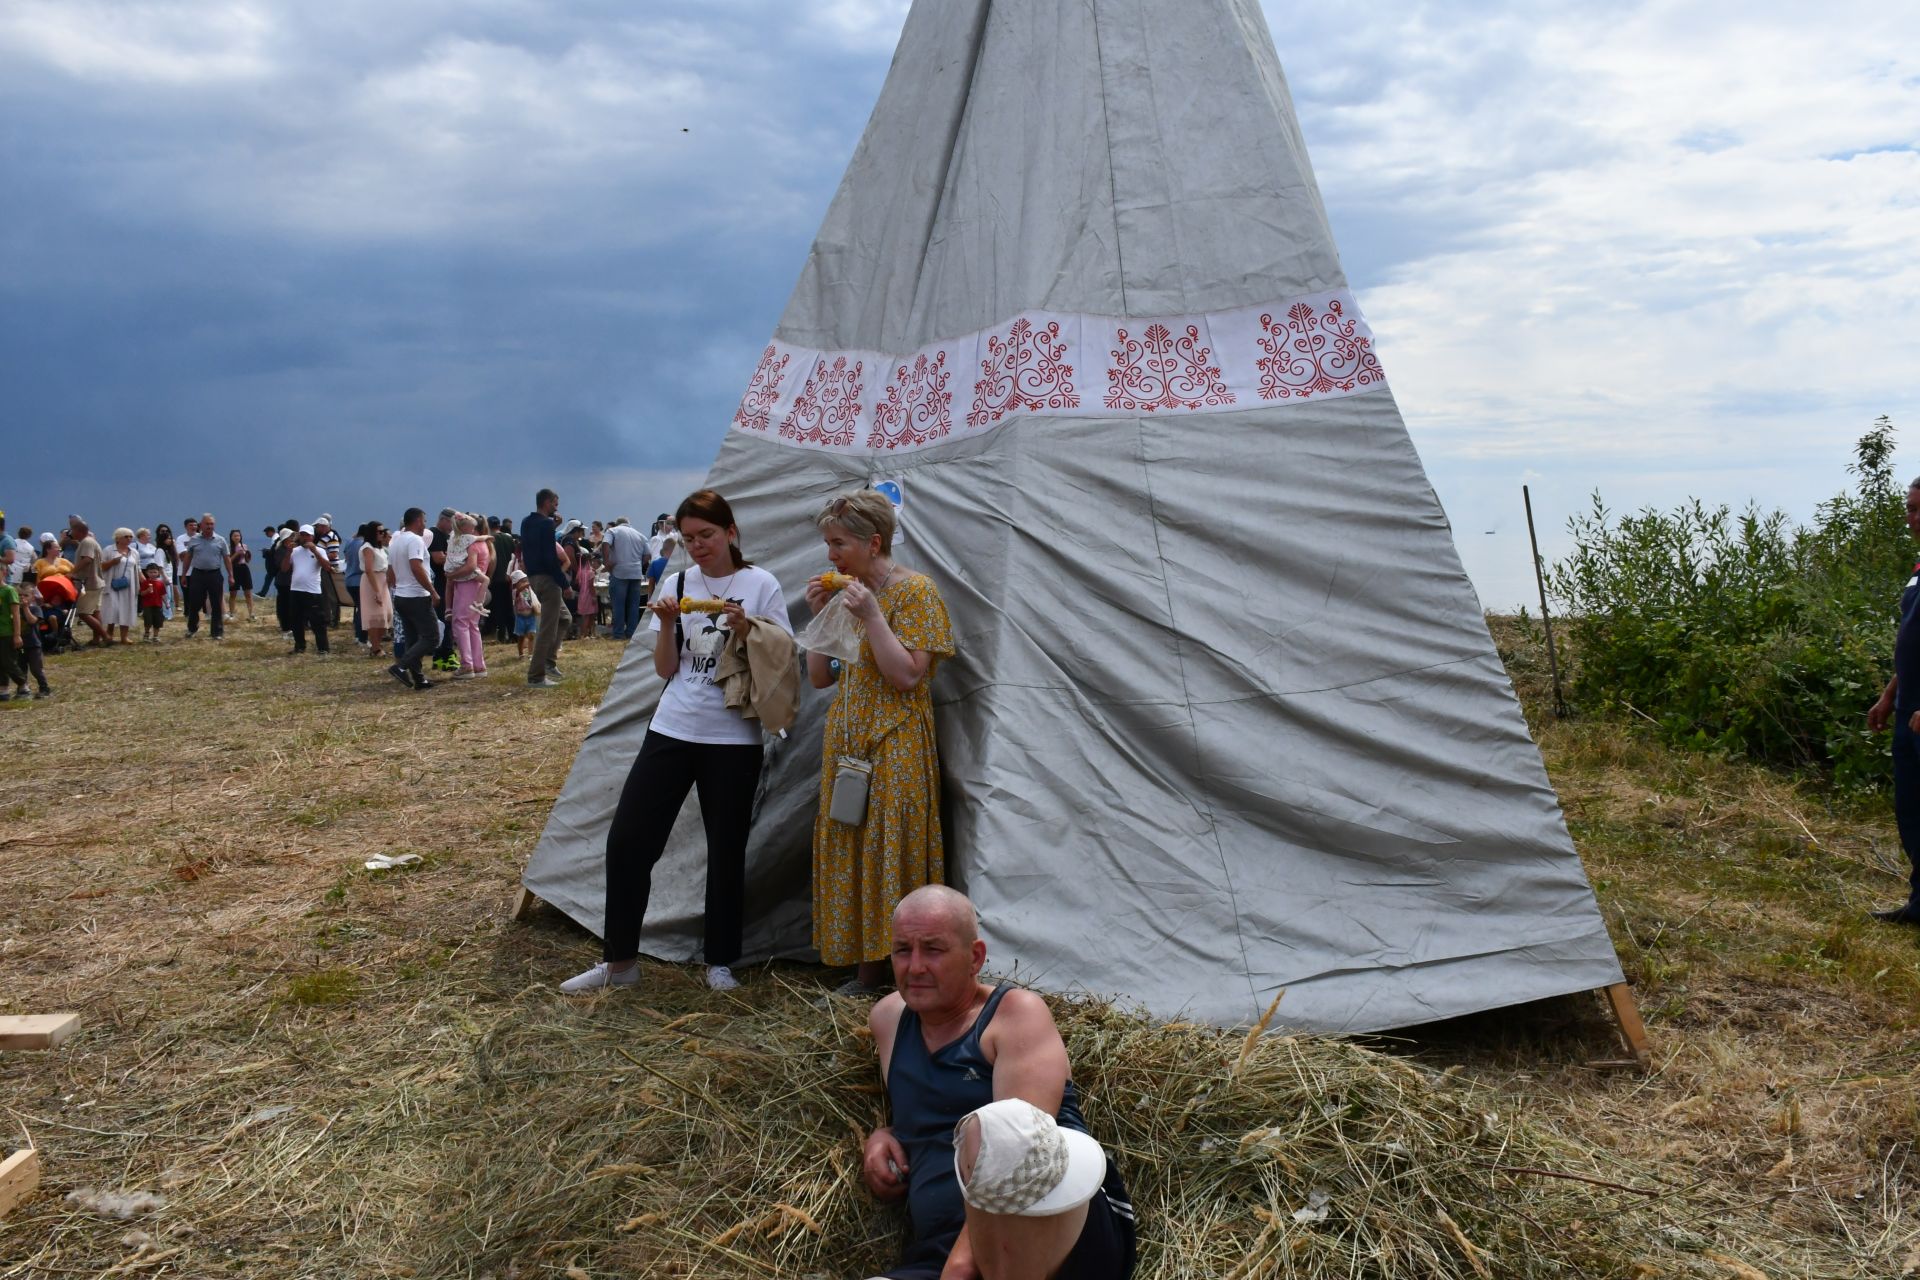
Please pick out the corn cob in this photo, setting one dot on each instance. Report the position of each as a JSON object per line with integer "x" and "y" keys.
{"x": 692, "y": 605}
{"x": 836, "y": 581}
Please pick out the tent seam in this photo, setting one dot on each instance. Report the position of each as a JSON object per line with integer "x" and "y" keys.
{"x": 1113, "y": 183}
{"x": 1193, "y": 732}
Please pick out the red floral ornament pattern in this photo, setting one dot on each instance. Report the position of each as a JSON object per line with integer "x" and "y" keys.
{"x": 918, "y": 406}
{"x": 1313, "y": 352}
{"x": 762, "y": 391}
{"x": 1159, "y": 371}
{"x": 828, "y": 407}
{"x": 1023, "y": 370}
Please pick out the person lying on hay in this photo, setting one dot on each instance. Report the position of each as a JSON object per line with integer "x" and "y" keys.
{"x": 987, "y": 1145}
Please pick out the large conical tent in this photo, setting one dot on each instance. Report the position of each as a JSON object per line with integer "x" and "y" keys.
{"x": 1225, "y": 716}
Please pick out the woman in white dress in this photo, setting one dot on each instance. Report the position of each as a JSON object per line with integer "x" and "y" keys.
{"x": 119, "y": 571}
{"x": 376, "y": 603}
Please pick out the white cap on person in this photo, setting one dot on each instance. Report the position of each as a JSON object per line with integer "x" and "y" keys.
{"x": 1027, "y": 1164}
{"x": 306, "y": 529}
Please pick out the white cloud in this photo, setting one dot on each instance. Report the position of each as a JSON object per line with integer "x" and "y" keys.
{"x": 1675, "y": 230}
{"x": 173, "y": 44}
{"x": 861, "y": 24}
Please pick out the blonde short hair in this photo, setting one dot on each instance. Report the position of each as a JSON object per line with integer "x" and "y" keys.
{"x": 122, "y": 532}
{"x": 863, "y": 514}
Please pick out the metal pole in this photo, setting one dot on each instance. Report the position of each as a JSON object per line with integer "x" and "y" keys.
{"x": 1540, "y": 581}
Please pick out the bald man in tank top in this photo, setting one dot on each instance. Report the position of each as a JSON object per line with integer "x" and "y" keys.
{"x": 954, "y": 1053}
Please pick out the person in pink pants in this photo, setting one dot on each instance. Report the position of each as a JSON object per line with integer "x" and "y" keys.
{"x": 467, "y": 594}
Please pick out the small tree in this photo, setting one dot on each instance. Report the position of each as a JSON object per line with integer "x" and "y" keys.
{"x": 1744, "y": 633}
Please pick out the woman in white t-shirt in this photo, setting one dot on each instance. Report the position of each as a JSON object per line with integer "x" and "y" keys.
{"x": 693, "y": 741}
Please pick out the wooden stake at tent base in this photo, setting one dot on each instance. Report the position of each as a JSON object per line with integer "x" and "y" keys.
{"x": 19, "y": 1175}
{"x": 523, "y": 904}
{"x": 36, "y": 1030}
{"x": 1625, "y": 1012}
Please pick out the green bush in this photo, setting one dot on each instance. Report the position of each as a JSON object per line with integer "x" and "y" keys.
{"x": 1747, "y": 634}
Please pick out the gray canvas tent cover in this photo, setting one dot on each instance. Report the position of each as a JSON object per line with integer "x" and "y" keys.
{"x": 1225, "y": 715}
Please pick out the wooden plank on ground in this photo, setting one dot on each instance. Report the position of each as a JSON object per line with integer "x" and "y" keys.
{"x": 1627, "y": 1013}
{"x": 523, "y": 904}
{"x": 19, "y": 1175}
{"x": 36, "y": 1030}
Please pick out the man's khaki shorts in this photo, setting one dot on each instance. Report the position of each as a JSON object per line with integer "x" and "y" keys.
{"x": 89, "y": 601}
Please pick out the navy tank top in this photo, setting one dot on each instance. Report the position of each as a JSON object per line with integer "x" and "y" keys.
{"x": 931, "y": 1093}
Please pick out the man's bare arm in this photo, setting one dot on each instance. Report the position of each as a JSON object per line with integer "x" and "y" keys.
{"x": 1029, "y": 1058}
{"x": 883, "y": 1161}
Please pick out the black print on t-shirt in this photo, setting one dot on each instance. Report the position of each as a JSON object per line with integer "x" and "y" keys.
{"x": 704, "y": 643}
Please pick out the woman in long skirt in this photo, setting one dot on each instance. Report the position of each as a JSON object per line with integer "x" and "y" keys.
{"x": 119, "y": 589}
{"x": 882, "y": 714}
{"x": 376, "y": 601}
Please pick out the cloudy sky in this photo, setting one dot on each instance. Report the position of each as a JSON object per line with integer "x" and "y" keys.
{"x": 281, "y": 257}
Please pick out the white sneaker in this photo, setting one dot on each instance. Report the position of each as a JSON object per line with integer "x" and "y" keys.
{"x": 720, "y": 978}
{"x": 600, "y": 977}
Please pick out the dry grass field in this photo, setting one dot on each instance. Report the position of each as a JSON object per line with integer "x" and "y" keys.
{"x": 322, "y": 1070}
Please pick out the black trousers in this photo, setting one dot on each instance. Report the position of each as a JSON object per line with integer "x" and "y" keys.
{"x": 416, "y": 614}
{"x": 443, "y": 643}
{"x": 283, "y": 603}
{"x": 500, "y": 610}
{"x": 1906, "y": 798}
{"x": 662, "y": 774}
{"x": 206, "y": 589}
{"x": 307, "y": 609}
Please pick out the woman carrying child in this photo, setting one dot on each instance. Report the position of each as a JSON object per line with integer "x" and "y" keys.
{"x": 694, "y": 741}
{"x": 469, "y": 560}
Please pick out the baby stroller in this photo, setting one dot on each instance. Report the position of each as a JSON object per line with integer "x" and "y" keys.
{"x": 55, "y": 625}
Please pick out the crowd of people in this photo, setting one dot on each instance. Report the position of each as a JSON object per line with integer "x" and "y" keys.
{"x": 466, "y": 580}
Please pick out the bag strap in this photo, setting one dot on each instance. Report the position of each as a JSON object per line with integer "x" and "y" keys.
{"x": 679, "y": 636}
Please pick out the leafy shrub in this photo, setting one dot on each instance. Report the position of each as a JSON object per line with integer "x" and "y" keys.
{"x": 1747, "y": 634}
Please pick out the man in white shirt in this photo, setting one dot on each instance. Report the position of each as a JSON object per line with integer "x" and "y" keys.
{"x": 304, "y": 564}
{"x": 627, "y": 555}
{"x": 410, "y": 574}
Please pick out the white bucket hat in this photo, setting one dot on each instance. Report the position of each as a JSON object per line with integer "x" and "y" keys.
{"x": 1027, "y": 1164}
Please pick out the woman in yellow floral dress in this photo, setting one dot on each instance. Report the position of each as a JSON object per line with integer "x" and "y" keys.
{"x": 882, "y": 713}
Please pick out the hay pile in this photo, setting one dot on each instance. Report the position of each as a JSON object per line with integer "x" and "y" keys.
{"x": 463, "y": 1131}
{"x": 727, "y": 1144}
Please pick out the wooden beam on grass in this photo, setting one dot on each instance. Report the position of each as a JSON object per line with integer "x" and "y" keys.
{"x": 521, "y": 908}
{"x": 36, "y": 1030}
{"x": 19, "y": 1175}
{"x": 1632, "y": 1030}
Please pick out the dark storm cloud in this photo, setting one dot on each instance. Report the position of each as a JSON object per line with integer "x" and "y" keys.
{"x": 356, "y": 263}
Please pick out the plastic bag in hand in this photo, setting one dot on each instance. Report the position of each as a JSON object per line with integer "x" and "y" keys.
{"x": 834, "y": 632}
